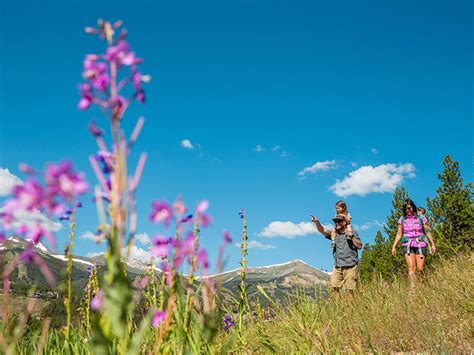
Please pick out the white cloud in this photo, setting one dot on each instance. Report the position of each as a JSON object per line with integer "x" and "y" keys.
{"x": 284, "y": 154}
{"x": 7, "y": 181}
{"x": 89, "y": 235}
{"x": 137, "y": 253}
{"x": 287, "y": 229}
{"x": 353, "y": 164}
{"x": 374, "y": 151}
{"x": 142, "y": 238}
{"x": 93, "y": 254}
{"x": 368, "y": 225}
{"x": 261, "y": 149}
{"x": 328, "y": 226}
{"x": 319, "y": 166}
{"x": 253, "y": 244}
{"x": 22, "y": 217}
{"x": 369, "y": 179}
{"x": 186, "y": 144}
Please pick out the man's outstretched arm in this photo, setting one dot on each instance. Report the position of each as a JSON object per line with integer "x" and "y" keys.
{"x": 320, "y": 227}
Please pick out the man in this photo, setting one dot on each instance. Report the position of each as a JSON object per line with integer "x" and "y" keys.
{"x": 345, "y": 254}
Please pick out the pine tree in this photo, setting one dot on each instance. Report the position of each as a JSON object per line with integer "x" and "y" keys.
{"x": 452, "y": 211}
{"x": 391, "y": 227}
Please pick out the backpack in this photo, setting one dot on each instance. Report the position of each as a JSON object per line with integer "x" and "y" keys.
{"x": 405, "y": 239}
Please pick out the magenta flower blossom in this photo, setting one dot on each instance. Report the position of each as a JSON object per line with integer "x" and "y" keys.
{"x": 161, "y": 212}
{"x": 204, "y": 220}
{"x": 227, "y": 237}
{"x": 62, "y": 180}
{"x": 159, "y": 246}
{"x": 202, "y": 206}
{"x": 26, "y": 169}
{"x": 158, "y": 318}
{"x": 202, "y": 258}
{"x": 36, "y": 233}
{"x": 28, "y": 196}
{"x": 94, "y": 130}
{"x": 27, "y": 256}
{"x": 98, "y": 301}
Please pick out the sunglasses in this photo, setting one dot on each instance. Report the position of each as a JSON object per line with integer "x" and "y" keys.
{"x": 338, "y": 221}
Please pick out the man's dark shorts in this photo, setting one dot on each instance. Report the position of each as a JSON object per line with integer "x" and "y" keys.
{"x": 414, "y": 250}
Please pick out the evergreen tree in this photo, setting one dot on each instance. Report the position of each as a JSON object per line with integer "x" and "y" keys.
{"x": 452, "y": 211}
{"x": 377, "y": 259}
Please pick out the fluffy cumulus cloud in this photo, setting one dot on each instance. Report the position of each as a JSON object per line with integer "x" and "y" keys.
{"x": 142, "y": 238}
{"x": 93, "y": 254}
{"x": 253, "y": 244}
{"x": 89, "y": 236}
{"x": 7, "y": 181}
{"x": 374, "y": 151}
{"x": 369, "y": 179}
{"x": 287, "y": 229}
{"x": 137, "y": 253}
{"x": 369, "y": 225}
{"x": 186, "y": 144}
{"x": 317, "y": 167}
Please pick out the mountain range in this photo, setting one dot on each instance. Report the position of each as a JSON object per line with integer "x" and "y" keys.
{"x": 279, "y": 281}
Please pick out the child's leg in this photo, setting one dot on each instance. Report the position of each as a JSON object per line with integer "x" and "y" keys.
{"x": 333, "y": 234}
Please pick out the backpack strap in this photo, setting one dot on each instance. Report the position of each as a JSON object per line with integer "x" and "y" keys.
{"x": 404, "y": 239}
{"x": 422, "y": 224}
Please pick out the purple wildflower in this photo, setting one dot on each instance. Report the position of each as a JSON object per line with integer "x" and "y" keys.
{"x": 242, "y": 213}
{"x": 161, "y": 212}
{"x": 98, "y": 301}
{"x": 159, "y": 246}
{"x": 94, "y": 130}
{"x": 202, "y": 206}
{"x": 62, "y": 180}
{"x": 27, "y": 256}
{"x": 89, "y": 270}
{"x": 187, "y": 218}
{"x": 227, "y": 237}
{"x": 64, "y": 217}
{"x": 202, "y": 258}
{"x": 158, "y": 318}
{"x": 79, "y": 204}
{"x": 228, "y": 322}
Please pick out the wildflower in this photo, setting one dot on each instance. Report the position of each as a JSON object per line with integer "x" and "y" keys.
{"x": 161, "y": 212}
{"x": 62, "y": 180}
{"x": 28, "y": 196}
{"x": 187, "y": 218}
{"x": 94, "y": 130}
{"x": 27, "y": 256}
{"x": 228, "y": 322}
{"x": 64, "y": 217}
{"x": 202, "y": 206}
{"x": 242, "y": 213}
{"x": 227, "y": 237}
{"x": 98, "y": 301}
{"x": 204, "y": 220}
{"x": 159, "y": 247}
{"x": 89, "y": 270}
{"x": 36, "y": 233}
{"x": 79, "y": 204}
{"x": 202, "y": 258}
{"x": 26, "y": 169}
{"x": 158, "y": 318}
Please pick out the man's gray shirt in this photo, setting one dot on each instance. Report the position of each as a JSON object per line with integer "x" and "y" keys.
{"x": 345, "y": 252}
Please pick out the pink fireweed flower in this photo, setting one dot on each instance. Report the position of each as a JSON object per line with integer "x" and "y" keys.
{"x": 202, "y": 206}
{"x": 27, "y": 257}
{"x": 62, "y": 180}
{"x": 204, "y": 220}
{"x": 35, "y": 233}
{"x": 159, "y": 246}
{"x": 167, "y": 271}
{"x": 158, "y": 318}
{"x": 98, "y": 301}
{"x": 179, "y": 207}
{"x": 202, "y": 259}
{"x": 161, "y": 212}
{"x": 26, "y": 169}
{"x": 28, "y": 196}
{"x": 94, "y": 130}
{"x": 227, "y": 237}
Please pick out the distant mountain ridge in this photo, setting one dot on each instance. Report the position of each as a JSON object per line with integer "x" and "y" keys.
{"x": 279, "y": 280}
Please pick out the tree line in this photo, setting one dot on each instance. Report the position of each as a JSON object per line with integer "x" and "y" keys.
{"x": 450, "y": 215}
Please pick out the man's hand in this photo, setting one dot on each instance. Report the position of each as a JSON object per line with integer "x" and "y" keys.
{"x": 314, "y": 219}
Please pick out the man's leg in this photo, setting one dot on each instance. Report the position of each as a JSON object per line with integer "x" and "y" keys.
{"x": 350, "y": 279}
{"x": 336, "y": 280}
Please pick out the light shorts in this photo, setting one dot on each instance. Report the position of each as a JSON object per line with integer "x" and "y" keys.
{"x": 345, "y": 276}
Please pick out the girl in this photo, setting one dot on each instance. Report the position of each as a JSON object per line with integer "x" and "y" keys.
{"x": 341, "y": 208}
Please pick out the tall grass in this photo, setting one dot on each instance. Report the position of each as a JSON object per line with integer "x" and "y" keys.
{"x": 435, "y": 316}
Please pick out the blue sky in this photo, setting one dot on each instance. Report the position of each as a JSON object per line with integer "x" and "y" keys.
{"x": 262, "y": 90}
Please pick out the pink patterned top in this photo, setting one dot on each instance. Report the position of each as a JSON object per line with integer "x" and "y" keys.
{"x": 412, "y": 228}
